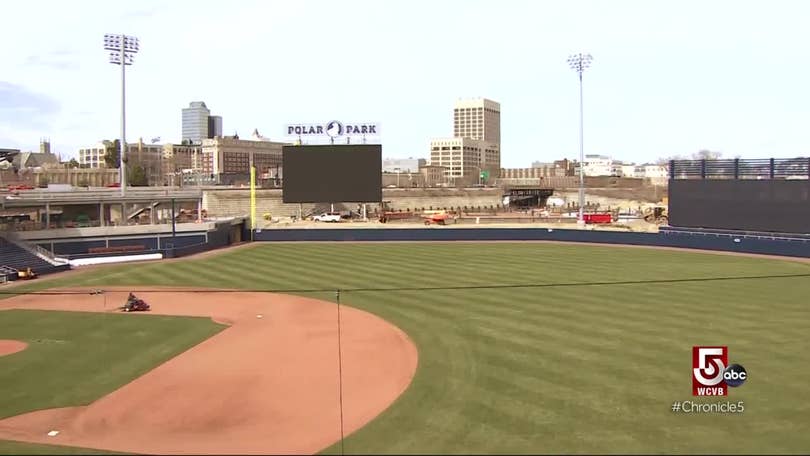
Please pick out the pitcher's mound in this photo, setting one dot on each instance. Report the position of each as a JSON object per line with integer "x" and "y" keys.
{"x": 7, "y": 347}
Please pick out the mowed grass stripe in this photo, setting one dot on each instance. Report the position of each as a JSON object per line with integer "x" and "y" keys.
{"x": 548, "y": 320}
{"x": 563, "y": 359}
{"x": 373, "y": 264}
{"x": 650, "y": 309}
{"x": 284, "y": 274}
{"x": 492, "y": 350}
{"x": 640, "y": 345}
{"x": 252, "y": 275}
{"x": 560, "y": 369}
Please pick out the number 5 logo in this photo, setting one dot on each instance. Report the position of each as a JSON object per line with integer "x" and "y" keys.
{"x": 708, "y": 365}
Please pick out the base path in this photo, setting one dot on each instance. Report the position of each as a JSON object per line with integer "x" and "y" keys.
{"x": 8, "y": 347}
{"x": 264, "y": 385}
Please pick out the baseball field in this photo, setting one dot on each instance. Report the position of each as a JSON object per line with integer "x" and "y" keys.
{"x": 462, "y": 348}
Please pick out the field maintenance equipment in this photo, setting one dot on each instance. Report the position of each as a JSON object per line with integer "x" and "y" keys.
{"x": 657, "y": 214}
{"x": 26, "y": 274}
{"x": 135, "y": 304}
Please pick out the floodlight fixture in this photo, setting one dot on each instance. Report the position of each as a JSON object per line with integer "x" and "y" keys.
{"x": 579, "y": 63}
{"x": 122, "y": 52}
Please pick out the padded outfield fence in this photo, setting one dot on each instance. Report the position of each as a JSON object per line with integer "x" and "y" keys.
{"x": 762, "y": 243}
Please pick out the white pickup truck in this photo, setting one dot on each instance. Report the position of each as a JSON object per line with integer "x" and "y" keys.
{"x": 327, "y": 217}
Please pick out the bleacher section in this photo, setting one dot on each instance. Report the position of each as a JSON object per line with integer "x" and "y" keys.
{"x": 15, "y": 257}
{"x": 8, "y": 274}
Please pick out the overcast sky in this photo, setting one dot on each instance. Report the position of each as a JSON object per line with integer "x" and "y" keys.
{"x": 667, "y": 77}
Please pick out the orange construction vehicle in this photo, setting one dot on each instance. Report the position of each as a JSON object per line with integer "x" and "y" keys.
{"x": 435, "y": 217}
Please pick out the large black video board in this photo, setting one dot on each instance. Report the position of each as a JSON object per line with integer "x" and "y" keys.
{"x": 332, "y": 173}
{"x": 740, "y": 204}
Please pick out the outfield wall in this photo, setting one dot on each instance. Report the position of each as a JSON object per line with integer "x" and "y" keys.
{"x": 704, "y": 241}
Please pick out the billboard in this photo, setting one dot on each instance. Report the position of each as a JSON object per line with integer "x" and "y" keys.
{"x": 332, "y": 173}
{"x": 751, "y": 205}
{"x": 334, "y": 129}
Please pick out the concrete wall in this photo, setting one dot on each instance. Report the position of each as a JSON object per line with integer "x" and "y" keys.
{"x": 604, "y": 202}
{"x": 237, "y": 202}
{"x": 442, "y": 197}
{"x": 611, "y": 182}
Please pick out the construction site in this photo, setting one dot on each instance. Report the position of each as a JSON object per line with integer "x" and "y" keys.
{"x": 617, "y": 202}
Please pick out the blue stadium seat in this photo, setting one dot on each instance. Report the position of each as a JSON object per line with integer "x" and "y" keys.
{"x": 14, "y": 256}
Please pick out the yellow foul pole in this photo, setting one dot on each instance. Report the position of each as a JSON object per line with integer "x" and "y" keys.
{"x": 252, "y": 198}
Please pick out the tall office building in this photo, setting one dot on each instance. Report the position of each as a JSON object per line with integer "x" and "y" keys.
{"x": 478, "y": 118}
{"x": 199, "y": 124}
{"x": 214, "y": 126}
{"x": 195, "y": 122}
{"x": 476, "y": 143}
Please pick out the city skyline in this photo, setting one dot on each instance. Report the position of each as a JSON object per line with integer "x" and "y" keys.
{"x": 666, "y": 79}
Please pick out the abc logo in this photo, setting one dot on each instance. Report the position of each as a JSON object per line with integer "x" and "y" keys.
{"x": 735, "y": 375}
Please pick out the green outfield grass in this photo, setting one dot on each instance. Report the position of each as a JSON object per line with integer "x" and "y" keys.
{"x": 589, "y": 362}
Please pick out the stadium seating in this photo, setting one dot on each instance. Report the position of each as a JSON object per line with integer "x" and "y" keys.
{"x": 14, "y": 256}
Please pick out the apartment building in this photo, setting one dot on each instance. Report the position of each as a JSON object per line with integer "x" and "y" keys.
{"x": 230, "y": 155}
{"x": 598, "y": 165}
{"x": 93, "y": 156}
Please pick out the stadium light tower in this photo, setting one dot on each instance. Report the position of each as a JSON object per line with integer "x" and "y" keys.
{"x": 123, "y": 49}
{"x": 580, "y": 62}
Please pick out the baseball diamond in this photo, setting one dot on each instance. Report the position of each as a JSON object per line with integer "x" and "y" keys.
{"x": 447, "y": 348}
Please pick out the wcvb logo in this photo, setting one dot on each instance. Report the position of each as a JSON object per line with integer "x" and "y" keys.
{"x": 711, "y": 373}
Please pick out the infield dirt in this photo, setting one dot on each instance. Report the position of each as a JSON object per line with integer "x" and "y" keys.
{"x": 8, "y": 347}
{"x": 268, "y": 383}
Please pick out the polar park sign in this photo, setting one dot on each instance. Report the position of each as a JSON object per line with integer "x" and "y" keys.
{"x": 333, "y": 129}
